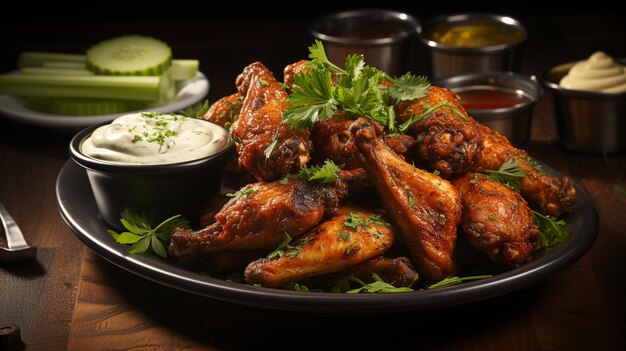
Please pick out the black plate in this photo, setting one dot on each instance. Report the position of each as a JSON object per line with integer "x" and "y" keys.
{"x": 78, "y": 208}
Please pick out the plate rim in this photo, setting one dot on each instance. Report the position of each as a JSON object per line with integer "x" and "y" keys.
{"x": 167, "y": 273}
{"x": 27, "y": 116}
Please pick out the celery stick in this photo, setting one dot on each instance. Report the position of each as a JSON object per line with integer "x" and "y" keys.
{"x": 83, "y": 106}
{"x": 55, "y": 71}
{"x": 181, "y": 69}
{"x": 184, "y": 69}
{"x": 147, "y": 88}
{"x": 37, "y": 59}
{"x": 63, "y": 65}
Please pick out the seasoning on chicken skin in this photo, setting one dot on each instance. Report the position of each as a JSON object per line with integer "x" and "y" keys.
{"x": 548, "y": 194}
{"x": 425, "y": 207}
{"x": 349, "y": 237}
{"x": 266, "y": 147}
{"x": 257, "y": 217}
{"x": 497, "y": 220}
{"x": 446, "y": 141}
{"x": 225, "y": 111}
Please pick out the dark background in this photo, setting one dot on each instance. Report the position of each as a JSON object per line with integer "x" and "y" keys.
{"x": 206, "y": 30}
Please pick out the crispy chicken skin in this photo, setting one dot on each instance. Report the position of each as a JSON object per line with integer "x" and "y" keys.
{"x": 330, "y": 138}
{"x": 446, "y": 142}
{"x": 425, "y": 207}
{"x": 548, "y": 194}
{"x": 331, "y": 247}
{"x": 497, "y": 220}
{"x": 225, "y": 110}
{"x": 257, "y": 217}
{"x": 260, "y": 125}
{"x": 293, "y": 69}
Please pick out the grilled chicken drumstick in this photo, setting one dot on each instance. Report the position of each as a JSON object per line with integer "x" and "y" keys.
{"x": 266, "y": 147}
{"x": 497, "y": 220}
{"x": 349, "y": 237}
{"x": 426, "y": 208}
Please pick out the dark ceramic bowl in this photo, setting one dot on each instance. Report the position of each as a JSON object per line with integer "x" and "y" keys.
{"x": 160, "y": 190}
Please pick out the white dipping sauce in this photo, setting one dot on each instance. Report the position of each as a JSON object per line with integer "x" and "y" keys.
{"x": 155, "y": 138}
{"x": 598, "y": 73}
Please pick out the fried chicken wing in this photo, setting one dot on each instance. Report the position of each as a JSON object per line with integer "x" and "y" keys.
{"x": 446, "y": 142}
{"x": 349, "y": 237}
{"x": 257, "y": 217}
{"x": 497, "y": 220}
{"x": 330, "y": 139}
{"x": 549, "y": 194}
{"x": 225, "y": 111}
{"x": 266, "y": 147}
{"x": 426, "y": 208}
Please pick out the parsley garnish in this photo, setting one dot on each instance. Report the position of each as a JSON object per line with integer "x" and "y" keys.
{"x": 456, "y": 280}
{"x": 356, "y": 90}
{"x": 378, "y": 285}
{"x": 142, "y": 237}
{"x": 323, "y": 174}
{"x": 551, "y": 230}
{"x": 509, "y": 174}
{"x": 196, "y": 111}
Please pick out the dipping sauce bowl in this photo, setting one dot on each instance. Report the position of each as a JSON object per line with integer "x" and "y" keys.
{"x": 587, "y": 121}
{"x": 384, "y": 37}
{"x": 504, "y": 101}
{"x": 158, "y": 190}
{"x": 472, "y": 42}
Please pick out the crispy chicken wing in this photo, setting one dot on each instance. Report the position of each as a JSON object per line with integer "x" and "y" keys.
{"x": 446, "y": 141}
{"x": 330, "y": 139}
{"x": 226, "y": 110}
{"x": 497, "y": 220}
{"x": 550, "y": 195}
{"x": 426, "y": 208}
{"x": 349, "y": 237}
{"x": 257, "y": 217}
{"x": 291, "y": 70}
{"x": 267, "y": 148}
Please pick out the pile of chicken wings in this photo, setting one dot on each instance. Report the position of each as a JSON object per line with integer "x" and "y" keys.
{"x": 404, "y": 206}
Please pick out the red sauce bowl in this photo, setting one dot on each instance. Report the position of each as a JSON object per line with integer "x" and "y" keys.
{"x": 503, "y": 101}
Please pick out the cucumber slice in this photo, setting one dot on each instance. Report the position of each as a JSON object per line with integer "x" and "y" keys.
{"x": 131, "y": 55}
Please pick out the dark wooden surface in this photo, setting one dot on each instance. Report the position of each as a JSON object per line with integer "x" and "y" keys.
{"x": 69, "y": 298}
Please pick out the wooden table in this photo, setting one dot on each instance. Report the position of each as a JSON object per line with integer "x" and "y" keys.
{"x": 70, "y": 298}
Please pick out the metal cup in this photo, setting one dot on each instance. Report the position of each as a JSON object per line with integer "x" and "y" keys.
{"x": 447, "y": 59}
{"x": 384, "y": 37}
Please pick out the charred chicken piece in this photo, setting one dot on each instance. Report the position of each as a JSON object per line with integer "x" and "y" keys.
{"x": 266, "y": 147}
{"x": 497, "y": 220}
{"x": 426, "y": 208}
{"x": 257, "y": 217}
{"x": 446, "y": 141}
{"x": 548, "y": 194}
{"x": 225, "y": 111}
{"x": 349, "y": 237}
{"x": 330, "y": 139}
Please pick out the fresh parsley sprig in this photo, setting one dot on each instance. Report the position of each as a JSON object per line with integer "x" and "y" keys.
{"x": 509, "y": 174}
{"x": 142, "y": 237}
{"x": 552, "y": 231}
{"x": 357, "y": 89}
{"x": 324, "y": 174}
{"x": 450, "y": 281}
{"x": 377, "y": 286}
